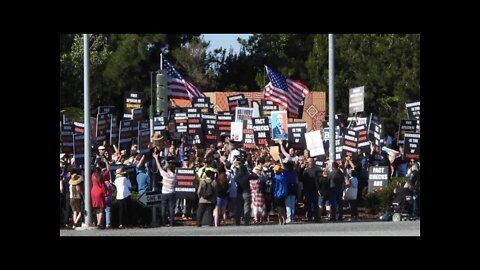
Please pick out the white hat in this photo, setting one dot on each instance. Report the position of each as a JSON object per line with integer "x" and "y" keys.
{"x": 101, "y": 147}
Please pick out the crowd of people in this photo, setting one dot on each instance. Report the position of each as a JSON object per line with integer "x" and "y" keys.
{"x": 246, "y": 185}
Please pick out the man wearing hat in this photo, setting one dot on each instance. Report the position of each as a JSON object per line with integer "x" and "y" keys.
{"x": 101, "y": 156}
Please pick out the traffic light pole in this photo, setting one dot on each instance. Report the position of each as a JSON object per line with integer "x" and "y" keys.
{"x": 151, "y": 104}
{"x": 152, "y": 176}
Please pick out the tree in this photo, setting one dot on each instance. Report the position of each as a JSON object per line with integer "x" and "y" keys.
{"x": 71, "y": 67}
{"x": 192, "y": 63}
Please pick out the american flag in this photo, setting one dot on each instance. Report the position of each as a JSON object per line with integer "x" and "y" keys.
{"x": 179, "y": 87}
{"x": 285, "y": 92}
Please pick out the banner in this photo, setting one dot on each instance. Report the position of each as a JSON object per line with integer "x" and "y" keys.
{"x": 101, "y": 127}
{"x": 355, "y": 99}
{"x": 160, "y": 125}
{"x": 350, "y": 144}
{"x": 232, "y": 102}
{"x": 243, "y": 114}
{"x": 79, "y": 149}
{"x": 133, "y": 100}
{"x": 242, "y": 103}
{"x": 125, "y": 135}
{"x": 107, "y": 109}
{"x": 113, "y": 130}
{"x": 314, "y": 143}
{"x": 203, "y": 103}
{"x": 377, "y": 177}
{"x": 362, "y": 143}
{"x": 412, "y": 146}
{"x": 195, "y": 135}
{"x": 181, "y": 122}
{"x": 236, "y": 131}
{"x": 210, "y": 129}
{"x": 248, "y": 137}
{"x": 261, "y": 130}
{"x": 296, "y": 135}
{"x": 223, "y": 124}
{"x": 413, "y": 110}
{"x": 185, "y": 187}
{"x": 267, "y": 107}
{"x": 279, "y": 125}
{"x": 339, "y": 156}
{"x": 143, "y": 141}
{"x": 406, "y": 126}
{"x": 67, "y": 138}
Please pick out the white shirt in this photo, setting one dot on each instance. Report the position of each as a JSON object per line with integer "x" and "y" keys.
{"x": 168, "y": 182}
{"x": 123, "y": 187}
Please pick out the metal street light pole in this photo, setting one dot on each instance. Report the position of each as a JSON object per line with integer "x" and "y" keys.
{"x": 331, "y": 95}
{"x": 86, "y": 120}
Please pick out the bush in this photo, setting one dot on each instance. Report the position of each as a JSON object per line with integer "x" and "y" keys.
{"x": 379, "y": 200}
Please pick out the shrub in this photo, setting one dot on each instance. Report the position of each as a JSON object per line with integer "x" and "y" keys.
{"x": 379, "y": 200}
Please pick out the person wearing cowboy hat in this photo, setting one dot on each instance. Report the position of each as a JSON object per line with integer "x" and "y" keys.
{"x": 158, "y": 141}
{"x": 76, "y": 195}
{"x": 123, "y": 186}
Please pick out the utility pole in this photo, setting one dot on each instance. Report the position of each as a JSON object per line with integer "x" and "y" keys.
{"x": 331, "y": 95}
{"x": 86, "y": 120}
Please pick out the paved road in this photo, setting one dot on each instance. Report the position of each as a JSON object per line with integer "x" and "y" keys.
{"x": 364, "y": 228}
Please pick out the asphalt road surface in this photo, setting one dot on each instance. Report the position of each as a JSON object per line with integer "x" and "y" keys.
{"x": 363, "y": 228}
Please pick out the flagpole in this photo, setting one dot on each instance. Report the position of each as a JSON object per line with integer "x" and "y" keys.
{"x": 263, "y": 76}
{"x": 331, "y": 95}
{"x": 161, "y": 61}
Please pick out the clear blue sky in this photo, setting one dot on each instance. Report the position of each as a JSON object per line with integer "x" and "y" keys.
{"x": 224, "y": 40}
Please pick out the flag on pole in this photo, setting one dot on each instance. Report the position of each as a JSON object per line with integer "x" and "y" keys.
{"x": 178, "y": 87}
{"x": 284, "y": 91}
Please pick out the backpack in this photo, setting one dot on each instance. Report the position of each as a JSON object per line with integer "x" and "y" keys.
{"x": 207, "y": 191}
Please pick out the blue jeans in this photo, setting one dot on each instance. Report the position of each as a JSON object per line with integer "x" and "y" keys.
{"x": 108, "y": 216}
{"x": 290, "y": 205}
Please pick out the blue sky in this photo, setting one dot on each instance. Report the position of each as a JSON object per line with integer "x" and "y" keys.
{"x": 224, "y": 40}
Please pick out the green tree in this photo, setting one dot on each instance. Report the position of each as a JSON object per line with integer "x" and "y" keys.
{"x": 71, "y": 67}
{"x": 193, "y": 64}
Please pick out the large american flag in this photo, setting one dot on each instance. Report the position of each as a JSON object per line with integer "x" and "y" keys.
{"x": 179, "y": 87}
{"x": 285, "y": 92}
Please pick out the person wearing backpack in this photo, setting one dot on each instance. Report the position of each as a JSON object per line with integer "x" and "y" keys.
{"x": 207, "y": 198}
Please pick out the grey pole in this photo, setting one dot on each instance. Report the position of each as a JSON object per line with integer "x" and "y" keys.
{"x": 152, "y": 180}
{"x": 331, "y": 95}
{"x": 86, "y": 119}
{"x": 151, "y": 105}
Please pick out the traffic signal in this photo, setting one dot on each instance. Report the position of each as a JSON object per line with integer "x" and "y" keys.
{"x": 161, "y": 93}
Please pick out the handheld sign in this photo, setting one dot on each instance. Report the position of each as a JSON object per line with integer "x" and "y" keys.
{"x": 413, "y": 110}
{"x": 412, "y": 146}
{"x": 355, "y": 103}
{"x": 185, "y": 187}
{"x": 377, "y": 177}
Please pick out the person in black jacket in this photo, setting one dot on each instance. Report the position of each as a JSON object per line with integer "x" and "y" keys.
{"x": 335, "y": 193}
{"x": 244, "y": 196}
{"x": 311, "y": 186}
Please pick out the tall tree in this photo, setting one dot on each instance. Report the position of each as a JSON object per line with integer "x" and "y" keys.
{"x": 71, "y": 67}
